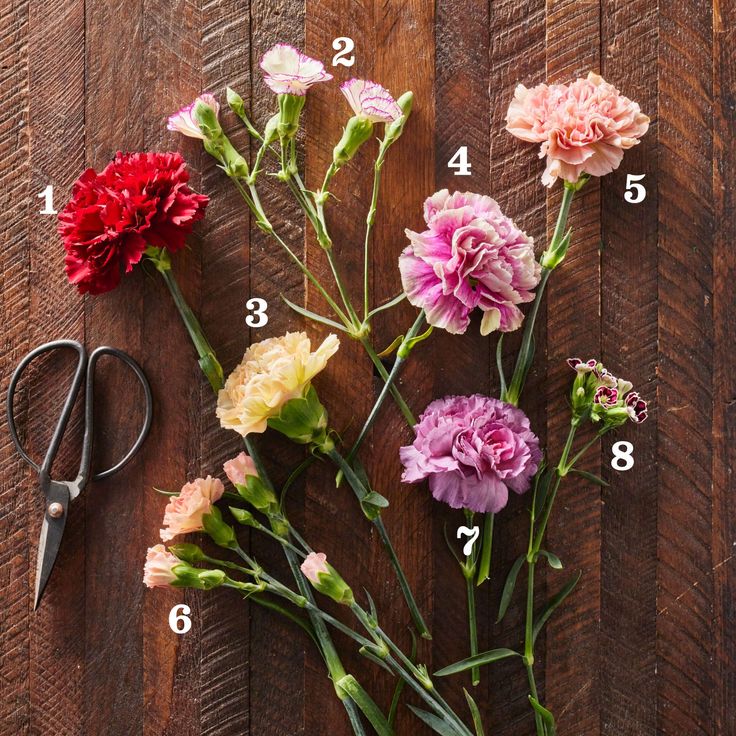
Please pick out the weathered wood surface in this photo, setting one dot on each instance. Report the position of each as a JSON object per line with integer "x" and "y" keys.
{"x": 647, "y": 643}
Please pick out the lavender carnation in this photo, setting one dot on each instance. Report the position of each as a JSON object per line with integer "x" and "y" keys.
{"x": 470, "y": 256}
{"x": 472, "y": 449}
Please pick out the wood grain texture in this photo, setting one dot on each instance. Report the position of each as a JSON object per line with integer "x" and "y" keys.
{"x": 647, "y": 643}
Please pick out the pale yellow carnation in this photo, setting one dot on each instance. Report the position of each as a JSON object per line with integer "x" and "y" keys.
{"x": 271, "y": 373}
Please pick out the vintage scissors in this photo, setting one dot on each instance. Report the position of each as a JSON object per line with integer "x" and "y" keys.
{"x": 57, "y": 494}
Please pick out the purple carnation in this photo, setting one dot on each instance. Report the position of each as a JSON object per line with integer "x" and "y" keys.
{"x": 472, "y": 449}
{"x": 470, "y": 256}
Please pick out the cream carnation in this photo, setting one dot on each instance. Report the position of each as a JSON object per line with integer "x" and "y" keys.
{"x": 183, "y": 513}
{"x": 271, "y": 373}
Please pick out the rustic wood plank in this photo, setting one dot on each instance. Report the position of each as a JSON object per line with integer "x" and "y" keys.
{"x": 686, "y": 227}
{"x": 277, "y": 666}
{"x": 572, "y": 662}
{"x": 724, "y": 420}
{"x": 462, "y": 118}
{"x": 518, "y": 56}
{"x": 56, "y": 118}
{"x": 629, "y": 348}
{"x": 16, "y": 539}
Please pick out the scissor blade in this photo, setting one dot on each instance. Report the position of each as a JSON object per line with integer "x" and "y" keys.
{"x": 49, "y": 542}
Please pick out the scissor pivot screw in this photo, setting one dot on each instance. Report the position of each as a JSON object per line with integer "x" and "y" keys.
{"x": 55, "y": 510}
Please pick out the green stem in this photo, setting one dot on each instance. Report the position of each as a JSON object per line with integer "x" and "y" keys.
{"x": 472, "y": 622}
{"x": 360, "y": 491}
{"x": 398, "y": 398}
{"x": 484, "y": 567}
{"x": 370, "y": 220}
{"x": 401, "y": 357}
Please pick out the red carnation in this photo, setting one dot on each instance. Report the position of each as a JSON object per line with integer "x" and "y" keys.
{"x": 137, "y": 200}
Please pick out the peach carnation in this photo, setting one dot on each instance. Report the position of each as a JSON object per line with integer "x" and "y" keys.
{"x": 158, "y": 570}
{"x": 183, "y": 513}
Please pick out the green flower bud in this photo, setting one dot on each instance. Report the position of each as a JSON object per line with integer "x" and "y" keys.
{"x": 191, "y": 577}
{"x": 356, "y": 133}
{"x": 271, "y": 132}
{"x": 222, "y": 534}
{"x": 290, "y": 107}
{"x": 244, "y": 517}
{"x": 395, "y": 129}
{"x": 235, "y": 101}
{"x": 190, "y": 553}
{"x": 257, "y": 493}
{"x": 326, "y": 579}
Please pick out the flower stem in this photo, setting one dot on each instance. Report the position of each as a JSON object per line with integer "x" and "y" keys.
{"x": 361, "y": 492}
{"x": 484, "y": 567}
{"x": 370, "y": 220}
{"x": 469, "y": 571}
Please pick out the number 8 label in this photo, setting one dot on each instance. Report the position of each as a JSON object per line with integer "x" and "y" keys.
{"x": 622, "y": 456}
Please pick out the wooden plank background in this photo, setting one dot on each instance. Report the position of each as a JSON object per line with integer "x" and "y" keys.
{"x": 647, "y": 644}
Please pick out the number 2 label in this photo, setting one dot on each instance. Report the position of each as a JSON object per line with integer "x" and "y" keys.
{"x": 343, "y": 45}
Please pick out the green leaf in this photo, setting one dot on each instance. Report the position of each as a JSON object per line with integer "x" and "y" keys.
{"x": 540, "y": 493}
{"x": 591, "y": 477}
{"x": 368, "y": 653}
{"x": 376, "y": 499}
{"x": 314, "y": 316}
{"x": 400, "y": 683}
{"x": 476, "y": 661}
{"x": 395, "y": 344}
{"x": 438, "y": 725}
{"x": 499, "y": 364}
{"x": 508, "y": 588}
{"x": 554, "y": 560}
{"x": 475, "y": 713}
{"x": 553, "y": 603}
{"x": 547, "y": 717}
{"x": 396, "y": 300}
{"x": 366, "y": 704}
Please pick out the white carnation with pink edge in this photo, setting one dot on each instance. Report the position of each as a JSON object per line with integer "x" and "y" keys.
{"x": 183, "y": 121}
{"x": 290, "y": 72}
{"x": 370, "y": 100}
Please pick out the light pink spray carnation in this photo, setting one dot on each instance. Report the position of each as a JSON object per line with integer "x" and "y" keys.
{"x": 584, "y": 127}
{"x": 183, "y": 121}
{"x": 183, "y": 513}
{"x": 472, "y": 449}
{"x": 289, "y": 71}
{"x": 471, "y": 255}
{"x": 370, "y": 101}
{"x": 238, "y": 468}
{"x": 315, "y": 563}
{"x": 157, "y": 572}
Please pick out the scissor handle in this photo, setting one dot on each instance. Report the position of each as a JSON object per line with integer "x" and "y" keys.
{"x": 96, "y": 354}
{"x": 66, "y": 410}
{"x": 83, "y": 365}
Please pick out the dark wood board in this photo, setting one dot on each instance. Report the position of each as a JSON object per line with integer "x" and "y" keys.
{"x": 647, "y": 642}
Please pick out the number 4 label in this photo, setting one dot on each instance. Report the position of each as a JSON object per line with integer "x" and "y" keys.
{"x": 460, "y": 162}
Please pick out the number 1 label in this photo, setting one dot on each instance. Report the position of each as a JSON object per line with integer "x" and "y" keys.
{"x": 48, "y": 198}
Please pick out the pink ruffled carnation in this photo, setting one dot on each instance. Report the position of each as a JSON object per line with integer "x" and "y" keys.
{"x": 290, "y": 72}
{"x": 183, "y": 121}
{"x": 158, "y": 570}
{"x": 238, "y": 468}
{"x": 370, "y": 101}
{"x": 183, "y": 513}
{"x": 584, "y": 127}
{"x": 472, "y": 449}
{"x": 470, "y": 256}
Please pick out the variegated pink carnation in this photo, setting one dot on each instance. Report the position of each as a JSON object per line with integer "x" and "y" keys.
{"x": 183, "y": 121}
{"x": 183, "y": 513}
{"x": 472, "y": 449}
{"x": 238, "y": 468}
{"x": 370, "y": 100}
{"x": 157, "y": 572}
{"x": 470, "y": 256}
{"x": 584, "y": 127}
{"x": 290, "y": 72}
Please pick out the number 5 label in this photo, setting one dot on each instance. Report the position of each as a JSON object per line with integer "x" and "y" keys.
{"x": 635, "y": 192}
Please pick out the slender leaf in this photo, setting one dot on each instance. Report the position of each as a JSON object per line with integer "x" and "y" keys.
{"x": 554, "y": 560}
{"x": 553, "y": 603}
{"x": 450, "y": 546}
{"x": 313, "y": 315}
{"x": 540, "y": 494}
{"x": 547, "y": 717}
{"x": 401, "y": 683}
{"x": 438, "y": 725}
{"x": 475, "y": 713}
{"x": 375, "y": 499}
{"x": 508, "y": 588}
{"x": 396, "y": 300}
{"x": 591, "y": 477}
{"x": 366, "y": 704}
{"x": 499, "y": 364}
{"x": 390, "y": 349}
{"x": 368, "y": 654}
{"x": 478, "y": 660}
{"x": 293, "y": 476}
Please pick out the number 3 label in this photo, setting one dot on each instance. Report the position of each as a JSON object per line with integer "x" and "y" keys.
{"x": 258, "y": 307}
{"x": 179, "y": 620}
{"x": 623, "y": 458}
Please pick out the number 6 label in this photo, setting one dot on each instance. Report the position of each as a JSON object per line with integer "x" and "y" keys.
{"x": 623, "y": 458}
{"x": 179, "y": 621}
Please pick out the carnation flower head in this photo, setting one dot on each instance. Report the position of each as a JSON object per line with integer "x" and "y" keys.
{"x": 470, "y": 256}
{"x": 371, "y": 101}
{"x": 183, "y": 121}
{"x": 239, "y": 468}
{"x": 584, "y": 127}
{"x": 183, "y": 513}
{"x": 158, "y": 570}
{"x": 137, "y": 200}
{"x": 473, "y": 449}
{"x": 288, "y": 71}
{"x": 272, "y": 372}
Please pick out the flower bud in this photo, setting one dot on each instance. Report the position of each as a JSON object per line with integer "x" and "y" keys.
{"x": 222, "y": 534}
{"x": 235, "y": 102}
{"x": 244, "y": 517}
{"x": 396, "y": 128}
{"x": 556, "y": 253}
{"x": 326, "y": 579}
{"x": 192, "y": 577}
{"x": 271, "y": 131}
{"x": 242, "y": 473}
{"x": 190, "y": 553}
{"x": 356, "y": 133}
{"x": 290, "y": 108}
